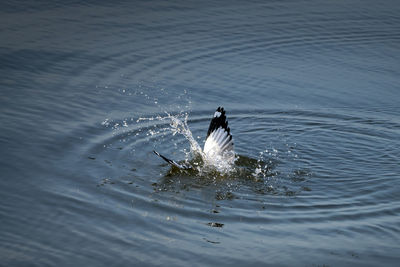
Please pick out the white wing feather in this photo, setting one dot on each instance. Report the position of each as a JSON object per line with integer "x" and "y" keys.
{"x": 218, "y": 142}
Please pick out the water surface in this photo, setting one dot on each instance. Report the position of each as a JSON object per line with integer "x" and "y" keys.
{"x": 312, "y": 96}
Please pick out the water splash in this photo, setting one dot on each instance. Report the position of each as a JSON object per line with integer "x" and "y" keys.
{"x": 227, "y": 164}
{"x": 181, "y": 127}
{"x": 222, "y": 163}
{"x": 262, "y": 167}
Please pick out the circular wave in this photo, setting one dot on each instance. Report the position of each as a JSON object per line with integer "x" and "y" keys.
{"x": 279, "y": 153}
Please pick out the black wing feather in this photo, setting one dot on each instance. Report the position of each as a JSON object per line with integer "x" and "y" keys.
{"x": 218, "y": 121}
{"x": 172, "y": 162}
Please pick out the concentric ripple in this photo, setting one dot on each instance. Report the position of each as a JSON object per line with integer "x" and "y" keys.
{"x": 307, "y": 181}
{"x": 296, "y": 178}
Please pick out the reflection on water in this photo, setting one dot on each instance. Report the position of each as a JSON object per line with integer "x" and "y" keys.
{"x": 88, "y": 91}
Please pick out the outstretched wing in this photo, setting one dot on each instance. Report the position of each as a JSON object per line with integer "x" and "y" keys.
{"x": 172, "y": 162}
{"x": 219, "y": 138}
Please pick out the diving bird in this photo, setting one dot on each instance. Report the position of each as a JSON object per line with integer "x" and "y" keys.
{"x": 218, "y": 148}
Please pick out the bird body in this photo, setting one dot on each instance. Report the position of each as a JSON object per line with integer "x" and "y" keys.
{"x": 218, "y": 148}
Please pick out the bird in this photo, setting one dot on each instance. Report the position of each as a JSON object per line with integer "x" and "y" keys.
{"x": 218, "y": 148}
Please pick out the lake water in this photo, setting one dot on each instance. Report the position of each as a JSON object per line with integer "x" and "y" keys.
{"x": 311, "y": 90}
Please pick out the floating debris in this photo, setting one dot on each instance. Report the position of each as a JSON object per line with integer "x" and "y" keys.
{"x": 215, "y": 224}
{"x": 212, "y": 242}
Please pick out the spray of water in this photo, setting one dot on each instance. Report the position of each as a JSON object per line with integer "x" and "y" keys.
{"x": 205, "y": 164}
{"x": 181, "y": 127}
{"x": 223, "y": 163}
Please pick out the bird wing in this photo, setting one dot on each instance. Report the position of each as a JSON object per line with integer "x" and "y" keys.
{"x": 219, "y": 138}
{"x": 172, "y": 162}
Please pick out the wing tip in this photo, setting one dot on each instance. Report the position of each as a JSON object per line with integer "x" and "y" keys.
{"x": 222, "y": 139}
{"x": 172, "y": 162}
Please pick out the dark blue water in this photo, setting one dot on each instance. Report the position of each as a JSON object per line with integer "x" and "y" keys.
{"x": 312, "y": 94}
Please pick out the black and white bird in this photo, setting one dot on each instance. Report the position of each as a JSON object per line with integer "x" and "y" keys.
{"x": 218, "y": 148}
